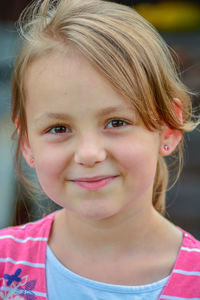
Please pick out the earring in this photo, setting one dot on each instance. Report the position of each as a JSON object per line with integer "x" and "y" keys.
{"x": 32, "y": 160}
{"x": 165, "y": 148}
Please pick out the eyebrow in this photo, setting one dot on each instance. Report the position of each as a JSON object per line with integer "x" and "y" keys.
{"x": 64, "y": 116}
{"x": 111, "y": 109}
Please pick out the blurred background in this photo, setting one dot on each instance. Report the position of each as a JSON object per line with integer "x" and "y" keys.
{"x": 179, "y": 24}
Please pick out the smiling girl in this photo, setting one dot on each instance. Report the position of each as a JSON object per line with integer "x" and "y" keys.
{"x": 98, "y": 105}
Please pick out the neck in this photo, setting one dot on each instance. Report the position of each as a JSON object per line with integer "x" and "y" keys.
{"x": 110, "y": 237}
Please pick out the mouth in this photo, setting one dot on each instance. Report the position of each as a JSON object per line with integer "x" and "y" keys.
{"x": 94, "y": 183}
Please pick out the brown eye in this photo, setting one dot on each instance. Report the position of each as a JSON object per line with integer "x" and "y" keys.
{"x": 116, "y": 123}
{"x": 59, "y": 130}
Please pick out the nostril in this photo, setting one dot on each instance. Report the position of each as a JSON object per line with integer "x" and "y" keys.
{"x": 90, "y": 157}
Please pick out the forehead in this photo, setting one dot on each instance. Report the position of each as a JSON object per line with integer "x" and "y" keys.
{"x": 68, "y": 76}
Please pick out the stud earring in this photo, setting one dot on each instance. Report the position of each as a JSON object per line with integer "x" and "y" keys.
{"x": 32, "y": 160}
{"x": 165, "y": 148}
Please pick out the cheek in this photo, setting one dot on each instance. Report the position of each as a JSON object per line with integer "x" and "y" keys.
{"x": 138, "y": 158}
{"x": 50, "y": 168}
{"x": 51, "y": 163}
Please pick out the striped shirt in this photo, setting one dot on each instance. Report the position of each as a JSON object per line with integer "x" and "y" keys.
{"x": 23, "y": 256}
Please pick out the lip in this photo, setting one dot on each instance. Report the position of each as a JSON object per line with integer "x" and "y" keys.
{"x": 94, "y": 178}
{"x": 94, "y": 183}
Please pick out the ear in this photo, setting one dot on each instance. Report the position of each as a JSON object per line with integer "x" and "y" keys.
{"x": 25, "y": 147}
{"x": 170, "y": 138}
{"x": 27, "y": 152}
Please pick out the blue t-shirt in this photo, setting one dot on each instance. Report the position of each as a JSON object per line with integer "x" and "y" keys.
{"x": 64, "y": 284}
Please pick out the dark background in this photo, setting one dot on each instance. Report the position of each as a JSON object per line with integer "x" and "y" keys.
{"x": 179, "y": 24}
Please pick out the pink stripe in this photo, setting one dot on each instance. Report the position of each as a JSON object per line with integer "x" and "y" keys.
{"x": 191, "y": 258}
{"x": 185, "y": 286}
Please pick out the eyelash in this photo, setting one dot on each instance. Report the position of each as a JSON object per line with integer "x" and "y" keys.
{"x": 118, "y": 120}
{"x": 65, "y": 127}
{"x": 57, "y": 126}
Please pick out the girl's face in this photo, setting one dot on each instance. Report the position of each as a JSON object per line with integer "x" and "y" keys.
{"x": 92, "y": 155}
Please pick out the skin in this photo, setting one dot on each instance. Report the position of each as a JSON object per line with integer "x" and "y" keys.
{"x": 115, "y": 226}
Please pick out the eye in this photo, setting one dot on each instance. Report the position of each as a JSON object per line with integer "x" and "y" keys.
{"x": 117, "y": 123}
{"x": 60, "y": 129}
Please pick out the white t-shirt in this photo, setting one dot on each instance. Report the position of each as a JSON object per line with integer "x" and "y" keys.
{"x": 64, "y": 284}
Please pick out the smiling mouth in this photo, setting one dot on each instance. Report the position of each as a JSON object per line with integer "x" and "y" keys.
{"x": 94, "y": 184}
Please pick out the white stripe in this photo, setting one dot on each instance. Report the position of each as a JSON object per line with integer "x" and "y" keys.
{"x": 177, "y": 298}
{"x": 22, "y": 262}
{"x": 25, "y": 240}
{"x": 186, "y": 272}
{"x": 27, "y": 224}
{"x": 190, "y": 249}
{"x": 7, "y": 289}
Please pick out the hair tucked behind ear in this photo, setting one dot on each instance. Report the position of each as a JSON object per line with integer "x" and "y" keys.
{"x": 125, "y": 49}
{"x": 160, "y": 185}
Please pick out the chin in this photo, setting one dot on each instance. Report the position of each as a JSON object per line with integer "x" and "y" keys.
{"x": 97, "y": 215}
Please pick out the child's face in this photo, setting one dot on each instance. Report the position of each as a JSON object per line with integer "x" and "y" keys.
{"x": 80, "y": 127}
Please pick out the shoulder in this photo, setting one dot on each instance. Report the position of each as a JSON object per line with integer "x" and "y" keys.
{"x": 189, "y": 256}
{"x": 184, "y": 281}
{"x": 22, "y": 256}
{"x": 32, "y": 229}
{"x": 190, "y": 241}
{"x": 19, "y": 238}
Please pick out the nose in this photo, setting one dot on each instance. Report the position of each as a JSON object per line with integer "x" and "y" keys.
{"x": 90, "y": 151}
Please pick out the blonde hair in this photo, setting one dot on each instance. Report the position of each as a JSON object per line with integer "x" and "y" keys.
{"x": 124, "y": 47}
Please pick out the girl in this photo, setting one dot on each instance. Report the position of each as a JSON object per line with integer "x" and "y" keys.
{"x": 98, "y": 105}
